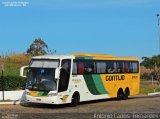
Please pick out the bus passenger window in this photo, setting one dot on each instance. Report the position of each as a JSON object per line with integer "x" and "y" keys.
{"x": 88, "y": 70}
{"x": 80, "y": 68}
{"x": 130, "y": 67}
{"x": 111, "y": 70}
{"x": 126, "y": 67}
{"x": 101, "y": 67}
{"x": 89, "y": 67}
{"x": 120, "y": 67}
{"x": 110, "y": 67}
{"x": 135, "y": 67}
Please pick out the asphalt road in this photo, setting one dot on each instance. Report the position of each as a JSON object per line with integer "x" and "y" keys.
{"x": 137, "y": 106}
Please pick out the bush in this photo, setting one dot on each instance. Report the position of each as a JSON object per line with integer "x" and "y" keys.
{"x": 146, "y": 76}
{"x": 13, "y": 83}
{"x": 12, "y": 64}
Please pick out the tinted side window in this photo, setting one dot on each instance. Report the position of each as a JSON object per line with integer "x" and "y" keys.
{"x": 111, "y": 67}
{"x": 126, "y": 67}
{"x": 135, "y": 67}
{"x": 130, "y": 67}
{"x": 78, "y": 67}
{"x": 101, "y": 67}
{"x": 120, "y": 67}
{"x": 90, "y": 67}
{"x": 104, "y": 66}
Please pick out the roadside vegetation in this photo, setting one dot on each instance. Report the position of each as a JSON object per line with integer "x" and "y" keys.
{"x": 147, "y": 86}
{"x": 150, "y": 74}
{"x": 13, "y": 62}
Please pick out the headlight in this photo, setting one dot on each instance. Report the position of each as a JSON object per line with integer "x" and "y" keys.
{"x": 51, "y": 94}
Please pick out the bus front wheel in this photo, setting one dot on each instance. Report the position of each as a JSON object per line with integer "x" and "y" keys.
{"x": 75, "y": 100}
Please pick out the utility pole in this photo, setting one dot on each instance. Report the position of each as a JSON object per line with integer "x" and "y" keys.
{"x": 2, "y": 68}
{"x": 2, "y": 85}
{"x": 158, "y": 21}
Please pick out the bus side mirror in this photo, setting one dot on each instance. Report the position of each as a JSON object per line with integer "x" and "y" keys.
{"x": 57, "y": 73}
{"x": 22, "y": 71}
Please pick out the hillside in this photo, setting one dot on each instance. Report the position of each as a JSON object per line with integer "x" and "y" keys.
{"x": 12, "y": 63}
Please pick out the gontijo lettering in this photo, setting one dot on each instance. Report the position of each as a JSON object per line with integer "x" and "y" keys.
{"x": 115, "y": 78}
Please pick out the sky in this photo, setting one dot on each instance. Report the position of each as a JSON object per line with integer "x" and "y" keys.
{"x": 117, "y": 27}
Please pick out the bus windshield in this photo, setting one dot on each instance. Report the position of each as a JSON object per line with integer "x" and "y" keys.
{"x": 41, "y": 75}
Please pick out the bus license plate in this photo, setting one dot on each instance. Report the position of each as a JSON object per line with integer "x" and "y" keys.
{"x": 38, "y": 99}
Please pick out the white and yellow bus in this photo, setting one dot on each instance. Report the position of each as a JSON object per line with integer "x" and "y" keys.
{"x": 80, "y": 77}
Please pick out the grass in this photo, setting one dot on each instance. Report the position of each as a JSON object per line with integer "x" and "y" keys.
{"x": 143, "y": 80}
{"x": 144, "y": 89}
{"x": 147, "y": 87}
{"x": 13, "y": 62}
{"x": 157, "y": 89}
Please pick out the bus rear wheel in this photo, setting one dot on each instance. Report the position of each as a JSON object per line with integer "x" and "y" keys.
{"x": 75, "y": 100}
{"x": 126, "y": 94}
{"x": 120, "y": 94}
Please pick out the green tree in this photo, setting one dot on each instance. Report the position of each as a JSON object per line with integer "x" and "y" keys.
{"x": 152, "y": 63}
{"x": 38, "y": 47}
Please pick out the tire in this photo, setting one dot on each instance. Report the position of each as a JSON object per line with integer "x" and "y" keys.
{"x": 75, "y": 100}
{"x": 126, "y": 94}
{"x": 120, "y": 94}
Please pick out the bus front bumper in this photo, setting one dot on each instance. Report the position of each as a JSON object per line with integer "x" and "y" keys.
{"x": 43, "y": 100}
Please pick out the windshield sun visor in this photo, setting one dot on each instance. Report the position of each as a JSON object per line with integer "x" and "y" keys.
{"x": 44, "y": 63}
